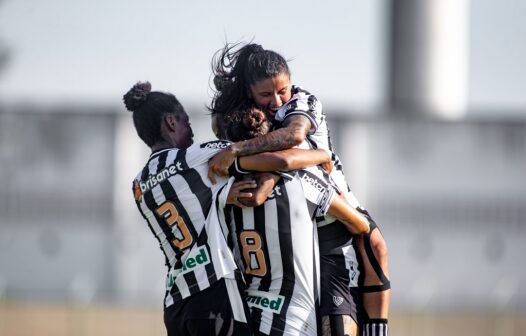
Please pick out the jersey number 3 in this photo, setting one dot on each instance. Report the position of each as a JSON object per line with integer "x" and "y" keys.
{"x": 252, "y": 253}
{"x": 169, "y": 212}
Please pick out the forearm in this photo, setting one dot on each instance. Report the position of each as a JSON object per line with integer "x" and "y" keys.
{"x": 292, "y": 134}
{"x": 289, "y": 159}
{"x": 274, "y": 141}
{"x": 355, "y": 222}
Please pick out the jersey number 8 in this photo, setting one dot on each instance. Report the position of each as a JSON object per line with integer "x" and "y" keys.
{"x": 252, "y": 253}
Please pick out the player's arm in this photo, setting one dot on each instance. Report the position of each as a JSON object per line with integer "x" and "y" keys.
{"x": 353, "y": 220}
{"x": 265, "y": 184}
{"x": 289, "y": 159}
{"x": 296, "y": 128}
{"x": 242, "y": 190}
{"x": 285, "y": 160}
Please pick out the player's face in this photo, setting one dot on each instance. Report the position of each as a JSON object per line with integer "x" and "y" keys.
{"x": 183, "y": 131}
{"x": 271, "y": 93}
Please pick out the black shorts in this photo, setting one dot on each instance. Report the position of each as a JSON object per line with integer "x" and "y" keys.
{"x": 339, "y": 272}
{"x": 219, "y": 310}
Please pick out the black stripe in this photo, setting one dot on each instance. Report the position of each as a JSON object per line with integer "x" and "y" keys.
{"x": 200, "y": 190}
{"x": 170, "y": 194}
{"x": 372, "y": 258}
{"x": 238, "y": 223}
{"x": 196, "y": 183}
{"x": 152, "y": 205}
{"x": 231, "y": 230}
{"x": 200, "y": 238}
{"x": 259, "y": 225}
{"x": 255, "y": 316}
{"x": 287, "y": 254}
{"x": 192, "y": 282}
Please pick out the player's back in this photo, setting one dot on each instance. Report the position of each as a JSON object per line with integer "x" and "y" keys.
{"x": 174, "y": 195}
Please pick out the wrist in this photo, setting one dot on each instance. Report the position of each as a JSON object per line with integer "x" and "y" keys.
{"x": 328, "y": 154}
{"x": 234, "y": 149}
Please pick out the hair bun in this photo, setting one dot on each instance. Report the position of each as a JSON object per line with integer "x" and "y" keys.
{"x": 137, "y": 95}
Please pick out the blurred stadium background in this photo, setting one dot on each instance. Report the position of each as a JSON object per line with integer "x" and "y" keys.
{"x": 427, "y": 108}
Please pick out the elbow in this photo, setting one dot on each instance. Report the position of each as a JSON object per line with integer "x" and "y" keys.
{"x": 359, "y": 227}
{"x": 363, "y": 226}
{"x": 298, "y": 136}
{"x": 366, "y": 228}
{"x": 284, "y": 162}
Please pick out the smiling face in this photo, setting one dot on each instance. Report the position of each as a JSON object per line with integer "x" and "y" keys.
{"x": 271, "y": 93}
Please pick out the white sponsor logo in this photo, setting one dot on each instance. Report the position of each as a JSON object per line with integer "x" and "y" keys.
{"x": 161, "y": 176}
{"x": 313, "y": 182}
{"x": 217, "y": 145}
{"x": 338, "y": 300}
{"x": 275, "y": 192}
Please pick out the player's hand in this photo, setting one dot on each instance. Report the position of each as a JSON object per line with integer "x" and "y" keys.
{"x": 328, "y": 166}
{"x": 219, "y": 164}
{"x": 265, "y": 185}
{"x": 237, "y": 190}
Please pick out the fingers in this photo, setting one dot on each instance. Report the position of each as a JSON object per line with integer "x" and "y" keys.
{"x": 239, "y": 204}
{"x": 238, "y": 191}
{"x": 211, "y": 175}
{"x": 242, "y": 185}
{"x": 328, "y": 166}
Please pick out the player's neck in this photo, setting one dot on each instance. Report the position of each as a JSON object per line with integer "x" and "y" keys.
{"x": 161, "y": 145}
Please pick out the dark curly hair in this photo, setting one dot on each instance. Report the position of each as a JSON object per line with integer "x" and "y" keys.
{"x": 246, "y": 122}
{"x": 235, "y": 67}
{"x": 149, "y": 108}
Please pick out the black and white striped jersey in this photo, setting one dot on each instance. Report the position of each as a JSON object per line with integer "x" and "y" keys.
{"x": 306, "y": 104}
{"x": 276, "y": 244}
{"x": 174, "y": 195}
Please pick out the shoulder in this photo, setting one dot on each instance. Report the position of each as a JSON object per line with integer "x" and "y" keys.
{"x": 303, "y": 100}
{"x": 214, "y": 144}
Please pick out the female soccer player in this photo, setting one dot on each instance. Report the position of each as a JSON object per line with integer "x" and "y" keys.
{"x": 251, "y": 74}
{"x": 277, "y": 241}
{"x": 175, "y": 197}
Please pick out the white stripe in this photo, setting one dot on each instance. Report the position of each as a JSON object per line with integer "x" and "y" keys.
{"x": 183, "y": 288}
{"x": 275, "y": 266}
{"x": 235, "y": 299}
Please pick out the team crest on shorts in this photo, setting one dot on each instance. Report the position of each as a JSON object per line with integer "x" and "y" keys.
{"x": 338, "y": 300}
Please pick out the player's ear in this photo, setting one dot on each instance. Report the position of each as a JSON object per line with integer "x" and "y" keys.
{"x": 170, "y": 121}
